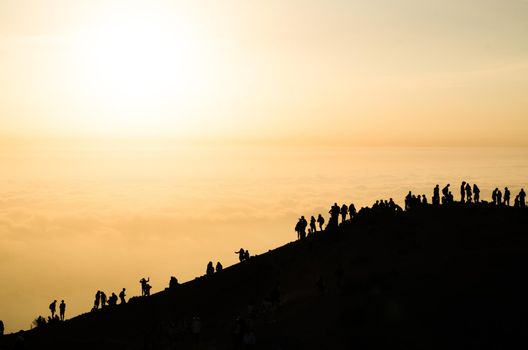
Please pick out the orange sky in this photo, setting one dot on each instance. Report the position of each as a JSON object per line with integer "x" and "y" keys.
{"x": 367, "y": 72}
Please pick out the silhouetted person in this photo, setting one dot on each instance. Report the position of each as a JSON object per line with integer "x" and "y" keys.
{"x": 62, "y": 310}
{"x": 334, "y": 212}
{"x": 436, "y": 195}
{"x": 507, "y": 196}
{"x": 112, "y": 301}
{"x": 122, "y": 296}
{"x": 210, "y": 269}
{"x": 97, "y": 300}
{"x": 494, "y": 196}
{"x": 522, "y": 198}
{"x": 53, "y": 308}
{"x": 352, "y": 211}
{"x": 173, "y": 283}
{"x": 469, "y": 193}
{"x": 344, "y": 212}
{"x": 246, "y": 255}
{"x": 499, "y": 197}
{"x": 393, "y": 206}
{"x": 144, "y": 283}
{"x": 462, "y": 191}
{"x": 303, "y": 225}
{"x": 103, "y": 299}
{"x": 476, "y": 193}
{"x": 40, "y": 321}
{"x": 424, "y": 199}
{"x": 241, "y": 254}
{"x": 313, "y": 226}
{"x": 446, "y": 193}
{"x": 148, "y": 287}
{"x": 300, "y": 228}
{"x": 219, "y": 267}
{"x": 1, "y": 328}
{"x": 408, "y": 200}
{"x": 320, "y": 221}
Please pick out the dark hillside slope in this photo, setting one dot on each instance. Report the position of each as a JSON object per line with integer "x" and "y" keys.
{"x": 432, "y": 278}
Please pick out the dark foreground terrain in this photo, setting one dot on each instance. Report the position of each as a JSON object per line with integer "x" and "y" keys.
{"x": 432, "y": 278}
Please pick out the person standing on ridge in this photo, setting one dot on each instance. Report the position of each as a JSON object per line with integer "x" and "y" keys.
{"x": 143, "y": 283}
{"x": 301, "y": 228}
{"x": 62, "y": 310}
{"x": 334, "y": 216}
{"x": 445, "y": 193}
{"x": 53, "y": 308}
{"x": 344, "y": 212}
{"x": 241, "y": 254}
{"x": 103, "y": 300}
{"x": 352, "y": 211}
{"x": 499, "y": 197}
{"x": 468, "y": 193}
{"x": 122, "y": 296}
{"x": 97, "y": 299}
{"x": 476, "y": 193}
{"x": 298, "y": 228}
{"x": 522, "y": 198}
{"x": 320, "y": 221}
{"x": 313, "y": 227}
{"x": 408, "y": 201}
{"x": 209, "y": 271}
{"x": 507, "y": 196}
{"x": 494, "y": 196}
{"x": 462, "y": 191}
{"x": 436, "y": 195}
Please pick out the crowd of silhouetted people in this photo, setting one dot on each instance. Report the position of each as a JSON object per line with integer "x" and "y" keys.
{"x": 469, "y": 194}
{"x": 336, "y": 212}
{"x": 102, "y": 301}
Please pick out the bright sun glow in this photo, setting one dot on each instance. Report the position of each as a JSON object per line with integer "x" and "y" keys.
{"x": 133, "y": 64}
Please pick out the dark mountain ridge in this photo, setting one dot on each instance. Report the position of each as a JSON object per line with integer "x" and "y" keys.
{"x": 442, "y": 277}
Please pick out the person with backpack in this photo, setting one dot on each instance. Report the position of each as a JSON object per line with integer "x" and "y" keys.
{"x": 53, "y": 308}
